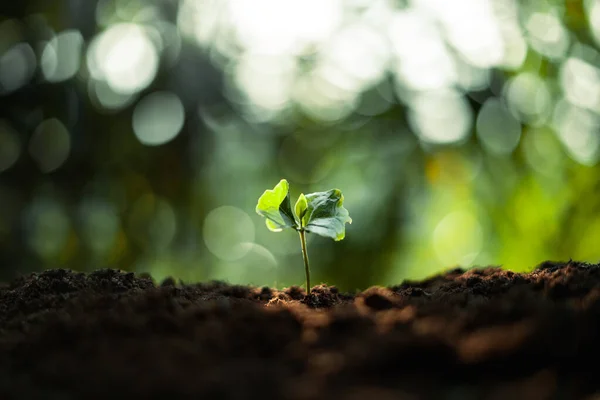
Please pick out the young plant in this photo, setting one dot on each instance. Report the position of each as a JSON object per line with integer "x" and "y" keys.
{"x": 321, "y": 213}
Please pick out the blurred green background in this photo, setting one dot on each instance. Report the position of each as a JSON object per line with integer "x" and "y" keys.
{"x": 140, "y": 134}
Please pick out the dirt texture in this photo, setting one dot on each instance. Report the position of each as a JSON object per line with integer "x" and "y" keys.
{"x": 476, "y": 334}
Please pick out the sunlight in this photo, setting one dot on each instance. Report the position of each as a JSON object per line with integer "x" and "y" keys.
{"x": 578, "y": 130}
{"x": 125, "y": 57}
{"x": 421, "y": 59}
{"x": 441, "y": 117}
{"x": 469, "y": 26}
{"x": 158, "y": 118}
{"x": 61, "y": 56}
{"x": 580, "y": 82}
{"x": 283, "y": 26}
{"x": 547, "y": 35}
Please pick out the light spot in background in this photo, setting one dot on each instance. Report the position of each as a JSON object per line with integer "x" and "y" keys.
{"x": 580, "y": 81}
{"x": 422, "y": 63}
{"x": 283, "y": 27}
{"x": 547, "y": 35}
{"x": 10, "y": 146}
{"x": 50, "y": 145}
{"x": 497, "y": 129}
{"x": 47, "y": 227}
{"x": 470, "y": 27}
{"x": 200, "y": 20}
{"x": 257, "y": 267}
{"x": 528, "y": 98}
{"x": 283, "y": 246}
{"x": 61, "y": 56}
{"x": 458, "y": 239}
{"x": 99, "y": 224}
{"x": 543, "y": 151}
{"x": 515, "y": 51}
{"x": 134, "y": 9}
{"x": 266, "y": 80}
{"x": 441, "y": 116}
{"x": 152, "y": 222}
{"x": 226, "y": 232}
{"x": 577, "y": 129}
{"x": 17, "y": 66}
{"x": 352, "y": 60}
{"x": 110, "y": 11}
{"x": 322, "y": 99}
{"x": 125, "y": 57}
{"x": 104, "y": 98}
{"x": 593, "y": 8}
{"x": 515, "y": 48}
{"x": 158, "y": 118}
{"x": 471, "y": 78}
{"x": 328, "y": 76}
{"x": 360, "y": 51}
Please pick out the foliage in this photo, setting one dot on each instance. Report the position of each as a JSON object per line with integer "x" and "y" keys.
{"x": 322, "y": 213}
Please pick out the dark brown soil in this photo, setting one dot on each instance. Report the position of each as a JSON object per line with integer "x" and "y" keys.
{"x": 477, "y": 334}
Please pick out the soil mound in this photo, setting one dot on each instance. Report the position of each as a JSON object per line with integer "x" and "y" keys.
{"x": 476, "y": 334}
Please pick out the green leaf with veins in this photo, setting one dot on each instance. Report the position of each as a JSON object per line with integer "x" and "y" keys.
{"x": 275, "y": 206}
{"x": 325, "y": 214}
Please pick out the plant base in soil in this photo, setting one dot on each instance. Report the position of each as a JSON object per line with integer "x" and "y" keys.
{"x": 476, "y": 334}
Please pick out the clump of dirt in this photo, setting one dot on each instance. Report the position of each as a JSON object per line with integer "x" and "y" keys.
{"x": 466, "y": 334}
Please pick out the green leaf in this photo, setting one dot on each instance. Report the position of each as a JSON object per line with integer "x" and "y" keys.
{"x": 326, "y": 215}
{"x": 275, "y": 206}
{"x": 301, "y": 207}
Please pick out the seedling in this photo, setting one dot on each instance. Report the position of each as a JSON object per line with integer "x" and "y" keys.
{"x": 321, "y": 213}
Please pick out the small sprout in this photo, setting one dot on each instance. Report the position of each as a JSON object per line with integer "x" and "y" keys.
{"x": 322, "y": 213}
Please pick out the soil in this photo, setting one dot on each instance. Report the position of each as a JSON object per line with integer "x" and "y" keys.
{"x": 477, "y": 334}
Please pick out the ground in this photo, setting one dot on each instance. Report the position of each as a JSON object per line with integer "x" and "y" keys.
{"x": 477, "y": 334}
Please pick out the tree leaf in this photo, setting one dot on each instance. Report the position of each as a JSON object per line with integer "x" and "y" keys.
{"x": 275, "y": 206}
{"x": 326, "y": 215}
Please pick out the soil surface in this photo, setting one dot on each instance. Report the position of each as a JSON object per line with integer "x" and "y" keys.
{"x": 476, "y": 334}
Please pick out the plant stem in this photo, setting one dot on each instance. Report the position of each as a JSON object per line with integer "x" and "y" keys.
{"x": 305, "y": 256}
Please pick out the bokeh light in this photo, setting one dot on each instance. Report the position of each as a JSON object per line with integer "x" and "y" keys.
{"x": 498, "y": 130}
{"x": 578, "y": 130}
{"x": 258, "y": 266}
{"x": 282, "y": 27}
{"x": 50, "y": 145}
{"x": 99, "y": 223}
{"x": 580, "y": 82}
{"x": 47, "y": 227}
{"x": 423, "y": 64}
{"x": 158, "y": 118}
{"x": 61, "y": 56}
{"x": 17, "y": 66}
{"x": 547, "y": 35}
{"x": 528, "y": 97}
{"x": 125, "y": 57}
{"x": 441, "y": 116}
{"x": 461, "y": 132}
{"x": 227, "y": 231}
